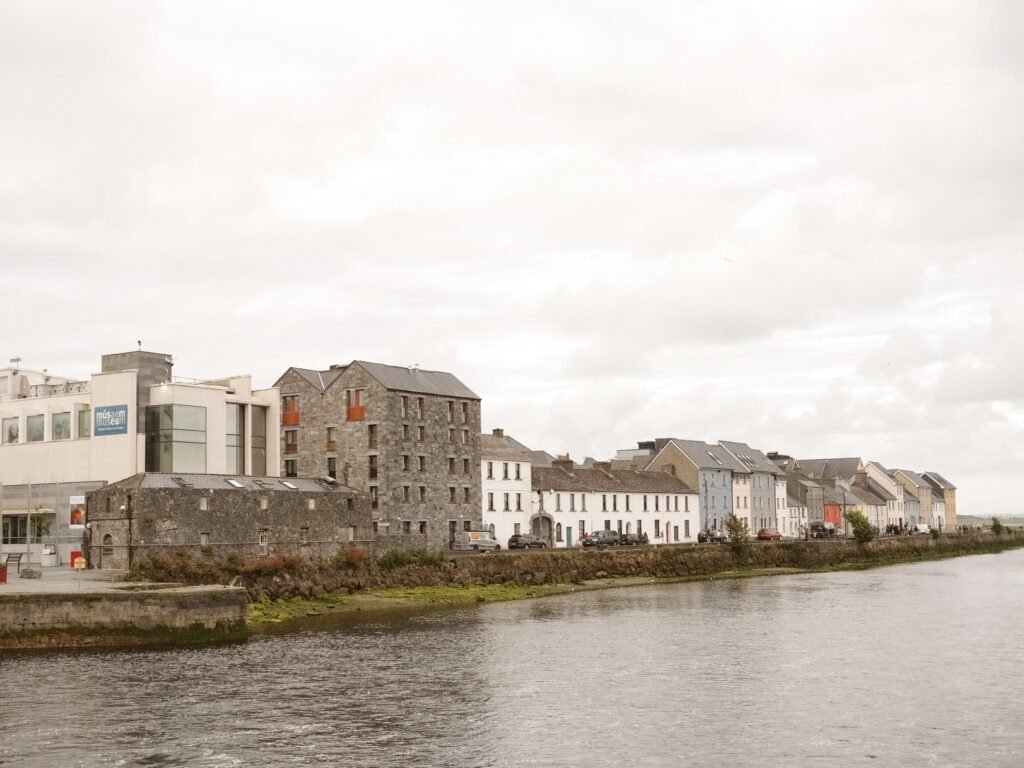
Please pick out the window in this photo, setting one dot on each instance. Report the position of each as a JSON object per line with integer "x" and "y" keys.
{"x": 422, "y": 463}
{"x": 108, "y": 545}
{"x": 34, "y": 427}
{"x": 355, "y": 402}
{"x": 291, "y": 441}
{"x": 558, "y": 502}
{"x": 60, "y": 426}
{"x": 371, "y": 435}
{"x": 85, "y": 422}
{"x": 451, "y": 410}
{"x": 465, "y": 413}
{"x": 737, "y": 502}
{"x": 615, "y": 502}
{"x": 423, "y": 493}
{"x": 204, "y": 539}
{"x": 465, "y": 494}
{"x": 558, "y": 532}
{"x": 235, "y": 440}
{"x": 423, "y": 526}
{"x": 676, "y": 503}
{"x": 518, "y": 476}
{"x": 421, "y": 433}
{"x": 451, "y": 494}
{"x": 451, "y": 435}
{"x": 504, "y": 471}
{"x": 451, "y": 465}
{"x": 490, "y": 502}
{"x": 15, "y": 529}
{"x": 405, "y": 493}
{"x": 686, "y": 505}
{"x": 175, "y": 438}
{"x": 582, "y": 528}
{"x": 405, "y": 462}
{"x": 490, "y": 470}
{"x": 506, "y": 502}
{"x": 311, "y": 505}
{"x": 516, "y": 529}
{"x": 10, "y": 427}
{"x": 420, "y": 410}
{"x": 656, "y": 500}
{"x": 373, "y": 467}
{"x": 264, "y": 503}
{"x": 627, "y": 502}
{"x": 572, "y": 500}
{"x": 350, "y": 504}
{"x": 465, "y": 437}
{"x": 332, "y": 468}
{"x": 467, "y": 525}
{"x": 407, "y": 526}
{"x": 604, "y": 502}
{"x": 258, "y": 439}
{"x": 645, "y": 502}
{"x": 403, "y": 409}
{"x": 376, "y": 528}
{"x": 374, "y": 498}
{"x": 332, "y": 441}
{"x": 264, "y": 541}
{"x": 519, "y": 502}
{"x": 204, "y": 504}
{"x": 657, "y": 528}
{"x": 465, "y": 466}
{"x": 405, "y": 431}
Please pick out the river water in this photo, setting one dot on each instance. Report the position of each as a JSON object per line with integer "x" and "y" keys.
{"x": 914, "y": 665}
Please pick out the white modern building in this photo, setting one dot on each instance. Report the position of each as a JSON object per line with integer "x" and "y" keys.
{"x": 61, "y": 438}
{"x": 505, "y": 472}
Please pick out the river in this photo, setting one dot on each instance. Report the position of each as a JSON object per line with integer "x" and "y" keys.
{"x": 912, "y": 665}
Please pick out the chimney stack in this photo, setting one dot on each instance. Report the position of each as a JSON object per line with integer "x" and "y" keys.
{"x": 498, "y": 432}
{"x": 563, "y": 462}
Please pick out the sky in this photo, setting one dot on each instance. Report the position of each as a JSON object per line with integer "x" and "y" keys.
{"x": 797, "y": 225}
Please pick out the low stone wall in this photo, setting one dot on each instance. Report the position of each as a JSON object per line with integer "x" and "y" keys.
{"x": 118, "y": 618}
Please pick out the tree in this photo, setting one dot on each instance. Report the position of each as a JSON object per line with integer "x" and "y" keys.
{"x": 863, "y": 530}
{"x": 997, "y": 527}
{"x": 737, "y": 530}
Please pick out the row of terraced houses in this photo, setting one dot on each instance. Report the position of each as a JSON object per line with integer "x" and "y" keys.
{"x": 136, "y": 458}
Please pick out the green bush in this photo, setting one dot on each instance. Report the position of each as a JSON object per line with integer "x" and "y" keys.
{"x": 396, "y": 558}
{"x": 863, "y": 530}
{"x": 997, "y": 527}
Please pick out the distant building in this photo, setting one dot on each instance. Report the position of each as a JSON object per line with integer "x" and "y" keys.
{"x": 757, "y": 500}
{"x": 152, "y": 512}
{"x": 571, "y": 502}
{"x": 409, "y": 438}
{"x": 61, "y": 438}
{"x": 708, "y": 469}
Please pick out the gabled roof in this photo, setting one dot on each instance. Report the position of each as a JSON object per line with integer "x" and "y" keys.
{"x": 792, "y": 501}
{"x": 403, "y": 379}
{"x": 492, "y": 447}
{"x": 319, "y": 380}
{"x": 831, "y": 469}
{"x": 867, "y": 496}
{"x": 881, "y": 469}
{"x": 879, "y": 491}
{"x": 938, "y": 481}
{"x": 913, "y": 477}
{"x": 705, "y": 456}
{"x": 751, "y": 458}
{"x": 610, "y": 481}
{"x": 540, "y": 458}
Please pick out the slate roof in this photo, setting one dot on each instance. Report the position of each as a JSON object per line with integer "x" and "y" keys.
{"x": 881, "y": 468}
{"x": 319, "y": 379}
{"x": 938, "y": 481}
{"x": 752, "y": 458}
{"x": 221, "y": 482}
{"x": 867, "y": 496}
{"x": 915, "y": 478}
{"x": 701, "y": 454}
{"x": 792, "y": 501}
{"x": 879, "y": 491}
{"x": 830, "y": 469}
{"x": 610, "y": 481}
{"x": 492, "y": 447}
{"x": 403, "y": 379}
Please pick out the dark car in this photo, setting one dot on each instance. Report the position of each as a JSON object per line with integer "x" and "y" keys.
{"x": 602, "y": 539}
{"x": 633, "y": 539}
{"x": 712, "y": 536}
{"x": 822, "y": 530}
{"x": 526, "y": 541}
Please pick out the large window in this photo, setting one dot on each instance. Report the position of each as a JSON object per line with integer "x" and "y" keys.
{"x": 234, "y": 459}
{"x": 60, "y": 429}
{"x": 259, "y": 440}
{"x": 85, "y": 422}
{"x": 175, "y": 438}
{"x": 15, "y": 529}
{"x": 34, "y": 426}
{"x": 10, "y": 430}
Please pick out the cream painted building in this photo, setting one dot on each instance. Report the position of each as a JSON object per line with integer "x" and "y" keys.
{"x": 61, "y": 438}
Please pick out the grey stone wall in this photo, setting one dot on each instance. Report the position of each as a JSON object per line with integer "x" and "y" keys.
{"x": 172, "y": 518}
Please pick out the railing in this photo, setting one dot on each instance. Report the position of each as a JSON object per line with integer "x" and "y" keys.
{"x": 290, "y": 418}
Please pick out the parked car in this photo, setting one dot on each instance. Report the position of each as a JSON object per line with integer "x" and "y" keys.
{"x": 769, "y": 534}
{"x": 526, "y": 541}
{"x": 633, "y": 539}
{"x": 602, "y": 539}
{"x": 712, "y": 536}
{"x": 822, "y": 529}
{"x": 477, "y": 541}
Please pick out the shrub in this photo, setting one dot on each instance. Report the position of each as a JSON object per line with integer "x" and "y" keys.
{"x": 863, "y": 530}
{"x": 396, "y": 558}
{"x": 352, "y": 558}
{"x": 997, "y": 527}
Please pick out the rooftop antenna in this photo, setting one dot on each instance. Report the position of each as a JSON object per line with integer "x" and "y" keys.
{"x": 139, "y": 342}
{"x": 16, "y": 361}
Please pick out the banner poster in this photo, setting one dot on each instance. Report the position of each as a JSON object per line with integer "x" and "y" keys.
{"x": 76, "y": 517}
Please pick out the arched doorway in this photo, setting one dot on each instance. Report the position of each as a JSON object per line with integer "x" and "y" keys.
{"x": 543, "y": 526}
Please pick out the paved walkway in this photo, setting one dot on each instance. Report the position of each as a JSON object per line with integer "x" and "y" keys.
{"x": 63, "y": 579}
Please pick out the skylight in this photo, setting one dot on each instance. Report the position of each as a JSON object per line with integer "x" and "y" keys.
{"x": 286, "y": 484}
{"x": 235, "y": 484}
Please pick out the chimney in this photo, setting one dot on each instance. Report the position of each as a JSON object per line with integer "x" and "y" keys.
{"x": 603, "y": 466}
{"x": 498, "y": 432}
{"x": 563, "y": 462}
{"x": 860, "y": 478}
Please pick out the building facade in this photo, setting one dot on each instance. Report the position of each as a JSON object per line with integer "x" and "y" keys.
{"x": 708, "y": 469}
{"x": 754, "y": 486}
{"x": 62, "y": 438}
{"x": 506, "y": 486}
{"x": 408, "y": 438}
{"x": 211, "y": 514}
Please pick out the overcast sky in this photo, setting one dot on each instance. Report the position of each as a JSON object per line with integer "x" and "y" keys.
{"x": 797, "y": 225}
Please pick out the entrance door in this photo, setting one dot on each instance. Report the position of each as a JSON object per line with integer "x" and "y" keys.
{"x": 452, "y": 527}
{"x": 568, "y": 536}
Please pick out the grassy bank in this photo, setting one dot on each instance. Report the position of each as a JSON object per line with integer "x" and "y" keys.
{"x": 280, "y": 589}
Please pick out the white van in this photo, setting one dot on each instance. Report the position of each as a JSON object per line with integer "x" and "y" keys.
{"x": 478, "y": 541}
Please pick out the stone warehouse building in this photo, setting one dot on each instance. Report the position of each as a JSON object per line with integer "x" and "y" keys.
{"x": 251, "y": 515}
{"x": 408, "y": 438}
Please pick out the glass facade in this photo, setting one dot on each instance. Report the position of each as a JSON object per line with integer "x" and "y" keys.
{"x": 61, "y": 427}
{"x": 234, "y": 458}
{"x": 85, "y": 422}
{"x": 34, "y": 427}
{"x": 175, "y": 438}
{"x": 10, "y": 430}
{"x": 259, "y": 440}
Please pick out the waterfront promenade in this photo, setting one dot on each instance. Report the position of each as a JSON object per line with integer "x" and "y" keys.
{"x": 63, "y": 579}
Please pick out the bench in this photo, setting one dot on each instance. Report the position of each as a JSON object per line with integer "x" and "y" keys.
{"x": 15, "y": 558}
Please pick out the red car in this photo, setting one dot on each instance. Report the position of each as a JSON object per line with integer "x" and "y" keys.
{"x": 769, "y": 534}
